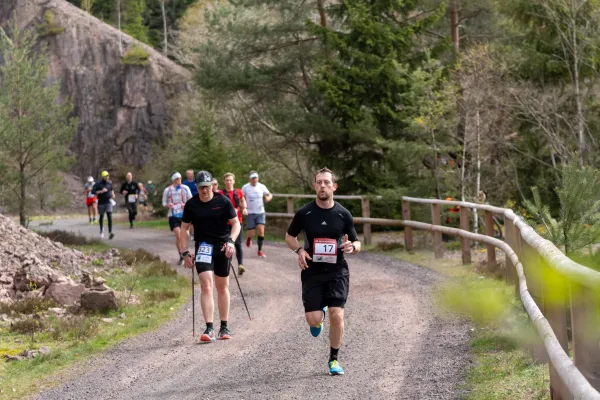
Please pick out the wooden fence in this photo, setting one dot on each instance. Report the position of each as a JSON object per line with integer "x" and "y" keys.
{"x": 540, "y": 272}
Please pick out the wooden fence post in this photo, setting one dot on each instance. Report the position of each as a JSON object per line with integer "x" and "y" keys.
{"x": 366, "y": 213}
{"x": 531, "y": 262}
{"x": 436, "y": 219}
{"x": 510, "y": 233}
{"x": 555, "y": 294}
{"x": 489, "y": 231}
{"x": 465, "y": 244}
{"x": 290, "y": 205}
{"x": 585, "y": 324}
{"x": 408, "y": 239}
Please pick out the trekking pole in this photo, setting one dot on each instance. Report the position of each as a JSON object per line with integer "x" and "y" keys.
{"x": 240, "y": 288}
{"x": 193, "y": 304}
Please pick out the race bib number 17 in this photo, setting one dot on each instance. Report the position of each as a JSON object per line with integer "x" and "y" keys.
{"x": 205, "y": 253}
{"x": 325, "y": 251}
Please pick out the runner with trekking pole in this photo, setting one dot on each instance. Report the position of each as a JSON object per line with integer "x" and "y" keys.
{"x": 209, "y": 213}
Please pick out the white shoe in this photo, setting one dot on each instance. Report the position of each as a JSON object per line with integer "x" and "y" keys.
{"x": 101, "y": 235}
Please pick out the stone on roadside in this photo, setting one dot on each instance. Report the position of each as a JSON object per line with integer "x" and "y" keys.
{"x": 44, "y": 350}
{"x": 66, "y": 293}
{"x": 101, "y": 301}
{"x": 107, "y": 320}
{"x": 57, "y": 310}
{"x": 122, "y": 316}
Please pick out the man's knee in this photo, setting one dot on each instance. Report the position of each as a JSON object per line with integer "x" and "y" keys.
{"x": 336, "y": 316}
{"x": 206, "y": 283}
{"x": 222, "y": 285}
{"x": 314, "y": 318}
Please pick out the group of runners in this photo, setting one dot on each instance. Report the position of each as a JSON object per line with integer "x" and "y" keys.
{"x": 215, "y": 217}
{"x": 100, "y": 199}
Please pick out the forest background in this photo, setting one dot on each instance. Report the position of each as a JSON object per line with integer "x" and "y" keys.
{"x": 477, "y": 100}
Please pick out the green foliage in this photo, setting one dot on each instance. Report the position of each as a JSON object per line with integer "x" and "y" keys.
{"x": 49, "y": 27}
{"x": 74, "y": 328}
{"x": 35, "y": 127}
{"x": 27, "y": 306}
{"x": 133, "y": 19}
{"x": 68, "y": 238}
{"x": 135, "y": 55}
{"x": 578, "y": 223}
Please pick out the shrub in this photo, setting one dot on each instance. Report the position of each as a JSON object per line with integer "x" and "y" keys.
{"x": 75, "y": 327}
{"x": 27, "y": 306}
{"x": 157, "y": 296}
{"x": 157, "y": 268}
{"x": 49, "y": 27}
{"x": 69, "y": 238}
{"x": 28, "y": 326}
{"x": 135, "y": 55}
{"x": 138, "y": 256}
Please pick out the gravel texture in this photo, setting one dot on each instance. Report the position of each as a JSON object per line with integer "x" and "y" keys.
{"x": 396, "y": 346}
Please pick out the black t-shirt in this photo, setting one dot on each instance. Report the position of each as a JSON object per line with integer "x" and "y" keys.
{"x": 209, "y": 219}
{"x": 320, "y": 223}
{"x": 103, "y": 198}
{"x": 132, "y": 188}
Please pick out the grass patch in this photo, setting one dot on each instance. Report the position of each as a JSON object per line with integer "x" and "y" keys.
{"x": 27, "y": 306}
{"x": 72, "y": 339}
{"x": 160, "y": 224}
{"x": 502, "y": 368}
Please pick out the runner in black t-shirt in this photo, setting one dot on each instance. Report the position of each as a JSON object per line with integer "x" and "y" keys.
{"x": 104, "y": 191}
{"x": 210, "y": 214}
{"x": 130, "y": 190}
{"x": 329, "y": 234}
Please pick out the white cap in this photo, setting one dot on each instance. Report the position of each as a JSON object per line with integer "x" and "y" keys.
{"x": 176, "y": 175}
{"x": 91, "y": 179}
{"x": 149, "y": 182}
{"x": 253, "y": 175}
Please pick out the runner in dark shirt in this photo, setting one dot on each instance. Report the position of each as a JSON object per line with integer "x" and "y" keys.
{"x": 130, "y": 190}
{"x": 104, "y": 191}
{"x": 329, "y": 235}
{"x": 210, "y": 214}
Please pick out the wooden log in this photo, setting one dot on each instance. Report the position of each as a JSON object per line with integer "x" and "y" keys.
{"x": 408, "y": 239}
{"x": 585, "y": 323}
{"x": 489, "y": 231}
{"x": 436, "y": 219}
{"x": 290, "y": 205}
{"x": 465, "y": 244}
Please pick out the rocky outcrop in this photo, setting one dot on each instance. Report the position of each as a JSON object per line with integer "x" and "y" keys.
{"x": 122, "y": 109}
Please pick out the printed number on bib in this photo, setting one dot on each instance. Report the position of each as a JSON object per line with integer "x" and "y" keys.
{"x": 131, "y": 198}
{"x": 204, "y": 254}
{"x": 178, "y": 210}
{"x": 325, "y": 251}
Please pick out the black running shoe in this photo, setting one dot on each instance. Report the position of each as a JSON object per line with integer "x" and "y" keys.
{"x": 208, "y": 336}
{"x": 224, "y": 333}
{"x": 112, "y": 235}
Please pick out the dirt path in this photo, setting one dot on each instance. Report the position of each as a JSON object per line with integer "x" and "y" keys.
{"x": 395, "y": 346}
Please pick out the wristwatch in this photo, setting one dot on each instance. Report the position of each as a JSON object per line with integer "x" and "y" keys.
{"x": 298, "y": 249}
{"x": 186, "y": 254}
{"x": 353, "y": 248}
{"x": 231, "y": 241}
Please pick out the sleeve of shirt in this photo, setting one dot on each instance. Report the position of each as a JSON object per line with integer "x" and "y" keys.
{"x": 265, "y": 190}
{"x": 231, "y": 212}
{"x": 164, "y": 199}
{"x": 94, "y": 188}
{"x": 187, "y": 213}
{"x": 240, "y": 193}
{"x": 137, "y": 188}
{"x": 296, "y": 225}
{"x": 123, "y": 187}
{"x": 188, "y": 194}
{"x": 349, "y": 229}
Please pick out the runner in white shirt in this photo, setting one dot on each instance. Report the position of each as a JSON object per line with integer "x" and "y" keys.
{"x": 254, "y": 192}
{"x": 175, "y": 197}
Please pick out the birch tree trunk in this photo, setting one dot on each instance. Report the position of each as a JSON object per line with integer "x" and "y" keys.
{"x": 478, "y": 179}
{"x": 165, "y": 29}
{"x": 119, "y": 27}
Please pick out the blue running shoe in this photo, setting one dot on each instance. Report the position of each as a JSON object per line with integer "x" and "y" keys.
{"x": 316, "y": 330}
{"x": 335, "y": 368}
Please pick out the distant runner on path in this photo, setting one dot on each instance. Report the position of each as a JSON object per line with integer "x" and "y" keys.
{"x": 190, "y": 181}
{"x": 236, "y": 196}
{"x": 329, "y": 234}
{"x": 254, "y": 192}
{"x": 174, "y": 197}
{"x": 210, "y": 213}
{"x": 91, "y": 201}
{"x": 130, "y": 190}
{"x": 105, "y": 193}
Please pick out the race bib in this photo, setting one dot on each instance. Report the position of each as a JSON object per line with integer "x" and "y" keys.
{"x": 131, "y": 198}
{"x": 91, "y": 195}
{"x": 325, "y": 251}
{"x": 204, "y": 254}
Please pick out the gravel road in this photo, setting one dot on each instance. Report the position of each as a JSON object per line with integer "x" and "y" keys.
{"x": 395, "y": 346}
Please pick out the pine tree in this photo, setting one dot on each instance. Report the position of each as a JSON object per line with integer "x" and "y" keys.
{"x": 35, "y": 128}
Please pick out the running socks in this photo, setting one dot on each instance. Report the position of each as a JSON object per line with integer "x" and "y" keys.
{"x": 333, "y": 354}
{"x": 261, "y": 239}
{"x": 209, "y": 325}
{"x": 223, "y": 324}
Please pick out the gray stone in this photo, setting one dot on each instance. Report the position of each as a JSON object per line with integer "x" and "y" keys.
{"x": 65, "y": 294}
{"x": 44, "y": 350}
{"x": 107, "y": 320}
{"x": 58, "y": 311}
{"x": 122, "y": 316}
{"x": 101, "y": 301}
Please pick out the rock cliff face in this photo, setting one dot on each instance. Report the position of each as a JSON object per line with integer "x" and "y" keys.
{"x": 122, "y": 109}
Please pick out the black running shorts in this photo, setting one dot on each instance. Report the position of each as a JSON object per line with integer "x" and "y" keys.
{"x": 174, "y": 222}
{"x": 220, "y": 263}
{"x": 327, "y": 288}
